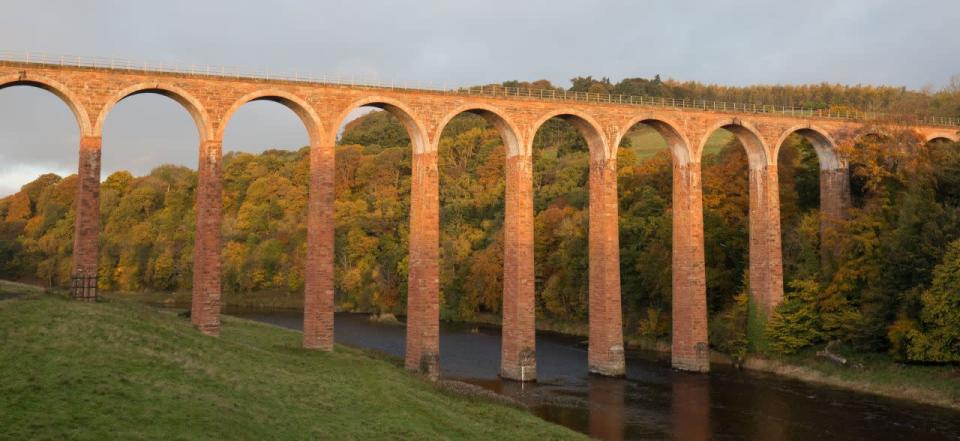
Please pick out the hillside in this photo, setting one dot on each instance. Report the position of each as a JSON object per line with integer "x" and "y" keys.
{"x": 120, "y": 370}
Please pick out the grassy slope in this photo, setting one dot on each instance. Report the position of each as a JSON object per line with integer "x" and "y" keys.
{"x": 120, "y": 370}
{"x": 646, "y": 142}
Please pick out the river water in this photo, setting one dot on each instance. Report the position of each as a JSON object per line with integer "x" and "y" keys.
{"x": 655, "y": 401}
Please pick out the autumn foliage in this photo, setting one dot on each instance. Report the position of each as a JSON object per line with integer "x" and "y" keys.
{"x": 877, "y": 287}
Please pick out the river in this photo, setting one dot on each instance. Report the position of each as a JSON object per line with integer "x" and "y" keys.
{"x": 655, "y": 401}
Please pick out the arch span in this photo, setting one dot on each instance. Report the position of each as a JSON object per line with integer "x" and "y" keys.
{"x": 748, "y": 136}
{"x": 823, "y": 144}
{"x": 676, "y": 141}
{"x": 588, "y": 127}
{"x": 299, "y": 106}
{"x": 940, "y": 138}
{"x": 518, "y": 339}
{"x": 415, "y": 129}
{"x": 181, "y": 96}
{"x": 508, "y": 131}
{"x": 59, "y": 90}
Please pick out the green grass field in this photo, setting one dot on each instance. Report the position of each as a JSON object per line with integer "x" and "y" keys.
{"x": 122, "y": 370}
{"x": 646, "y": 142}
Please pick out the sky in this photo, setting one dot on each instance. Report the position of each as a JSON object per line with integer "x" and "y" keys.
{"x": 913, "y": 44}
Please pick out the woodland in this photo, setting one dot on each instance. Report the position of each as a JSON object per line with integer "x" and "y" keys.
{"x": 887, "y": 279}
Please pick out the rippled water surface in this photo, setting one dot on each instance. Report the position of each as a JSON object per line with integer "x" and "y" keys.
{"x": 654, "y": 401}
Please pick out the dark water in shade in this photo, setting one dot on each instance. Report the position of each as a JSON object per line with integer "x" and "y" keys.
{"x": 654, "y": 401}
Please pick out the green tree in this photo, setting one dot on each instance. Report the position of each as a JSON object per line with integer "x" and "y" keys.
{"x": 937, "y": 338}
{"x": 796, "y": 323}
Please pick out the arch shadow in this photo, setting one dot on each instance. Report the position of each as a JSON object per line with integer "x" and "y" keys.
{"x": 939, "y": 138}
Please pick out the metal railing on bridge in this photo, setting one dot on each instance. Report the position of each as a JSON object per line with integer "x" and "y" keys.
{"x": 488, "y": 91}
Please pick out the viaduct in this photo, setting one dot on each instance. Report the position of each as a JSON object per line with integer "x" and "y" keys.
{"x": 90, "y": 88}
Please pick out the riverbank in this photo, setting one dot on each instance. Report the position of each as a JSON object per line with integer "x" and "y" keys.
{"x": 122, "y": 370}
{"x": 258, "y": 301}
{"x": 869, "y": 373}
{"x": 877, "y": 374}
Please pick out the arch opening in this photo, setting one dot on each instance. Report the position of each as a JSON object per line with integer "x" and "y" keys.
{"x": 473, "y": 147}
{"x": 59, "y": 91}
{"x": 509, "y": 134}
{"x": 180, "y": 96}
{"x": 825, "y": 148}
{"x": 150, "y": 186}
{"x": 726, "y": 166}
{"x": 372, "y": 215}
{"x": 560, "y": 122}
{"x": 747, "y": 138}
{"x": 650, "y": 136}
{"x": 39, "y": 134}
{"x": 486, "y": 231}
{"x": 39, "y": 140}
{"x": 259, "y": 103}
{"x": 804, "y": 164}
{"x": 266, "y": 164}
{"x": 414, "y": 131}
{"x": 562, "y": 147}
{"x": 648, "y": 154}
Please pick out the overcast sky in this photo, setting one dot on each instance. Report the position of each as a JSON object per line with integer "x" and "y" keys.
{"x": 914, "y": 44}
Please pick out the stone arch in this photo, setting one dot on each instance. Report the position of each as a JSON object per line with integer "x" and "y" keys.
{"x": 940, "y": 138}
{"x": 676, "y": 141}
{"x": 867, "y": 131}
{"x": 299, "y": 106}
{"x": 54, "y": 87}
{"x": 588, "y": 127}
{"x": 749, "y": 137}
{"x": 508, "y": 131}
{"x": 415, "y": 129}
{"x": 181, "y": 96}
{"x": 823, "y": 144}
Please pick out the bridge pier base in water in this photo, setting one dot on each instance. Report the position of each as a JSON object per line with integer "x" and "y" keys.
{"x": 605, "y": 352}
{"x": 518, "y": 359}
{"x": 690, "y": 350}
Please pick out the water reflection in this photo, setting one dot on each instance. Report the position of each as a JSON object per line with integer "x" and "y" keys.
{"x": 772, "y": 418}
{"x": 654, "y": 401}
{"x": 690, "y": 407}
{"x": 606, "y": 406}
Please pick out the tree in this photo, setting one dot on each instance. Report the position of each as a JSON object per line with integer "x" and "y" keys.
{"x": 796, "y": 324}
{"x": 937, "y": 338}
